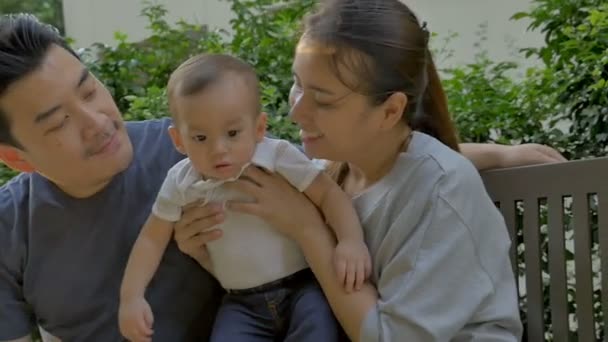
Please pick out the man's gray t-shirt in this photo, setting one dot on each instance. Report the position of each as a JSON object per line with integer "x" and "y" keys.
{"x": 62, "y": 259}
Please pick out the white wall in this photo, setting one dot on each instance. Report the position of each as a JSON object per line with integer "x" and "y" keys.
{"x": 505, "y": 36}
{"x": 89, "y": 21}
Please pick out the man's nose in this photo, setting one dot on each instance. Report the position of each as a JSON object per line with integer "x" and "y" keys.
{"x": 92, "y": 122}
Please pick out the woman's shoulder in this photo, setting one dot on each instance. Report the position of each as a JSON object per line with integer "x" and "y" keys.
{"x": 430, "y": 171}
{"x": 457, "y": 183}
{"x": 449, "y": 167}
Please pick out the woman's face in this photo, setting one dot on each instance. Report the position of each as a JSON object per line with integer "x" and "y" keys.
{"x": 336, "y": 123}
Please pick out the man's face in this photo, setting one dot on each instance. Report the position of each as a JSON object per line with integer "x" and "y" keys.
{"x": 67, "y": 124}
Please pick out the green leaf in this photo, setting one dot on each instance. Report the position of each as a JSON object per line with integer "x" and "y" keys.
{"x": 519, "y": 15}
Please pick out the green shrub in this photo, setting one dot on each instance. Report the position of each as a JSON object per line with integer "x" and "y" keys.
{"x": 5, "y": 174}
{"x": 49, "y": 11}
{"x": 129, "y": 68}
{"x": 490, "y": 105}
{"x": 576, "y": 61}
{"x": 563, "y": 103}
{"x": 264, "y": 34}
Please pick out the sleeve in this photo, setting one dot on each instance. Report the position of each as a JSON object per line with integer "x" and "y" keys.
{"x": 168, "y": 204}
{"x": 295, "y": 166}
{"x": 434, "y": 286}
{"x": 16, "y": 316}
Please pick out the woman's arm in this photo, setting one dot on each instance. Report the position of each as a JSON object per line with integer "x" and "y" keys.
{"x": 292, "y": 213}
{"x": 494, "y": 156}
{"x": 442, "y": 279}
{"x": 317, "y": 244}
{"x": 449, "y": 280}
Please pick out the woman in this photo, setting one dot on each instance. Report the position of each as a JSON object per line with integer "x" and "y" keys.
{"x": 367, "y": 97}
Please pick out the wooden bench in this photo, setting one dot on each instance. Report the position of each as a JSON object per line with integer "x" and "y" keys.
{"x": 552, "y": 211}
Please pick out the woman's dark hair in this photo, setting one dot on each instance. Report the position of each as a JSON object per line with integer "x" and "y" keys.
{"x": 24, "y": 43}
{"x": 385, "y": 46}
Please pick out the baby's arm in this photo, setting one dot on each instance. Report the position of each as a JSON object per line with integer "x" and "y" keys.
{"x": 336, "y": 206}
{"x": 145, "y": 256}
{"x": 352, "y": 259}
{"x": 135, "y": 315}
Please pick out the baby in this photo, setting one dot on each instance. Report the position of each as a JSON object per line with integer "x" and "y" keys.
{"x": 217, "y": 122}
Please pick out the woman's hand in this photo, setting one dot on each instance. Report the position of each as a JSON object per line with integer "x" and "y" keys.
{"x": 277, "y": 202}
{"x": 193, "y": 231}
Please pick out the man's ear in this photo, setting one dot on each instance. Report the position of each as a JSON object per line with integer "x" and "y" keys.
{"x": 260, "y": 129}
{"x": 393, "y": 109}
{"x": 177, "y": 139}
{"x": 13, "y": 158}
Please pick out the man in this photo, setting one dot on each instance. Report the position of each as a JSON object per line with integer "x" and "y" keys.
{"x": 67, "y": 224}
{"x": 66, "y": 230}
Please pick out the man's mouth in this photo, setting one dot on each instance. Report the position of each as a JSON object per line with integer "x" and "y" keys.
{"x": 109, "y": 145}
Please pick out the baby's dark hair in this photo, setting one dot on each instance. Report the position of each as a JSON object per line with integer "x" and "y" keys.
{"x": 201, "y": 71}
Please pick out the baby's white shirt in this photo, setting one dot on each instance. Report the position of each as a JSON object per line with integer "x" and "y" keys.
{"x": 250, "y": 252}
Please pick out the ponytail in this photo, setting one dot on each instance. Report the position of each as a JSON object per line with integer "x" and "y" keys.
{"x": 433, "y": 118}
{"x": 395, "y": 57}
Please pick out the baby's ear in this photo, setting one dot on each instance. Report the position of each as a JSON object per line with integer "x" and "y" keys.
{"x": 177, "y": 139}
{"x": 261, "y": 126}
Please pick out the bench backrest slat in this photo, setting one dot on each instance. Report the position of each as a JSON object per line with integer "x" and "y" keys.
{"x": 545, "y": 194}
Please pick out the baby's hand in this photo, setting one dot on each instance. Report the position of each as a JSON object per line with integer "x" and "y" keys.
{"x": 353, "y": 263}
{"x": 135, "y": 320}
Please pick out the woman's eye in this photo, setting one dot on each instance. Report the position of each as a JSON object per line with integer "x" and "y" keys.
{"x": 233, "y": 133}
{"x": 89, "y": 95}
{"x": 325, "y": 105}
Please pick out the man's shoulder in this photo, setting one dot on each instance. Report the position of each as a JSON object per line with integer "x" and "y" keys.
{"x": 151, "y": 126}
{"x": 13, "y": 195}
{"x": 152, "y": 144}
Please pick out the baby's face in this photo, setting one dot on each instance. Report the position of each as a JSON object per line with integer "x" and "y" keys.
{"x": 219, "y": 129}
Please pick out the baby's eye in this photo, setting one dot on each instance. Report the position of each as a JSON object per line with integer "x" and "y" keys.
{"x": 199, "y": 138}
{"x": 233, "y": 133}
